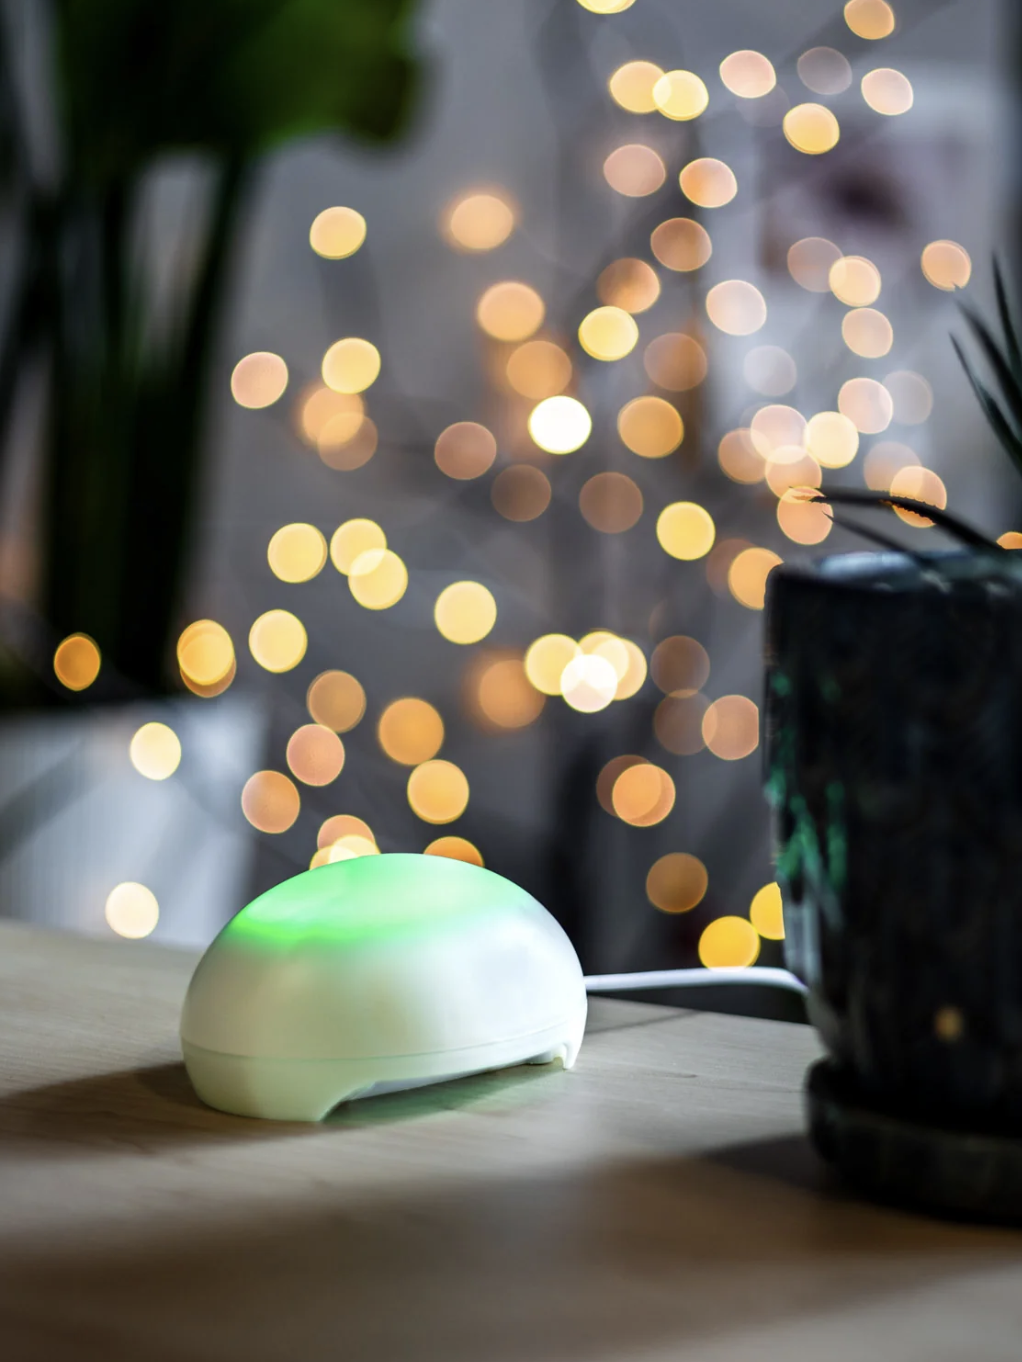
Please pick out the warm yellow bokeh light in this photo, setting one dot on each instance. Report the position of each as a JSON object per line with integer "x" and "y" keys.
{"x": 337, "y": 233}
{"x": 867, "y": 404}
{"x": 824, "y": 70}
{"x": 465, "y": 450}
{"x": 769, "y": 370}
{"x": 680, "y": 95}
{"x": 478, "y": 221}
{"x": 810, "y": 262}
{"x": 677, "y": 882}
{"x": 919, "y": 484}
{"x": 643, "y": 795}
{"x": 675, "y": 361}
{"x": 353, "y": 538}
{"x": 747, "y": 74}
{"x": 1011, "y": 539}
{"x": 911, "y": 396}
{"x": 811, "y": 128}
{"x": 886, "y": 458}
{"x": 336, "y": 700}
{"x": 322, "y": 413}
{"x": 867, "y": 332}
{"x": 296, "y": 553}
{"x": 631, "y": 86}
{"x": 739, "y": 458}
{"x": 560, "y": 425}
{"x": 747, "y": 576}
{"x": 410, "y": 730}
{"x": 343, "y": 825}
{"x": 708, "y": 182}
{"x": 347, "y": 442}
{"x": 465, "y": 612}
{"x": 792, "y": 466}
{"x": 351, "y": 365}
{"x": 378, "y": 579}
{"x": 546, "y": 660}
{"x": 678, "y": 723}
{"x": 155, "y": 751}
{"x": 681, "y": 244}
{"x": 729, "y": 943}
{"x": 521, "y": 493}
{"x": 438, "y": 792}
{"x": 736, "y": 307}
{"x": 606, "y": 6}
{"x": 634, "y": 170}
{"x": 207, "y": 692}
{"x": 345, "y": 848}
{"x": 608, "y": 333}
{"x": 510, "y": 311}
{"x": 685, "y": 530}
{"x": 455, "y": 849}
{"x": 270, "y": 801}
{"x": 766, "y": 912}
{"x": 277, "y": 640}
{"x": 832, "y": 439}
{"x": 870, "y": 19}
{"x": 589, "y": 682}
{"x": 539, "y": 369}
{"x": 854, "y": 280}
{"x": 505, "y": 696}
{"x": 76, "y": 661}
{"x": 804, "y": 520}
{"x": 315, "y": 754}
{"x": 680, "y": 665}
{"x": 650, "y": 427}
{"x": 205, "y": 654}
{"x": 946, "y": 265}
{"x": 887, "y": 91}
{"x": 610, "y": 503}
{"x": 632, "y": 680}
{"x": 731, "y": 727}
{"x": 131, "y": 910}
{"x": 607, "y": 778}
{"x": 629, "y": 284}
{"x": 776, "y": 426}
{"x": 258, "y": 380}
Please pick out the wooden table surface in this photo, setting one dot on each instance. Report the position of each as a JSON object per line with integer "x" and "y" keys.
{"x": 657, "y": 1204}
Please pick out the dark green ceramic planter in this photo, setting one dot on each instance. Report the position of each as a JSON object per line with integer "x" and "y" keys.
{"x": 894, "y": 767}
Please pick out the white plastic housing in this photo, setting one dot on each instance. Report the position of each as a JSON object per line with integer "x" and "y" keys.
{"x": 373, "y": 974}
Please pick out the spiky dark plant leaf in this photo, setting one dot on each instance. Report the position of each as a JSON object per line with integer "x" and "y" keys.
{"x": 1014, "y": 352}
{"x": 999, "y": 424}
{"x": 950, "y": 524}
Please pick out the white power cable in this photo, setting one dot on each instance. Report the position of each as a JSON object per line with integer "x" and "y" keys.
{"x": 672, "y": 978}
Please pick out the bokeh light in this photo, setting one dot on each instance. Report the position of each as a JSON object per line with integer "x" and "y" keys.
{"x": 76, "y": 662}
{"x": 353, "y": 538}
{"x": 465, "y": 450}
{"x": 345, "y": 848}
{"x": 708, "y": 182}
{"x": 886, "y": 458}
{"x": 438, "y": 792}
{"x": 792, "y": 466}
{"x": 270, "y": 801}
{"x": 887, "y": 91}
{"x": 920, "y": 484}
{"x": 810, "y": 262}
{"x": 675, "y": 361}
{"x": 277, "y": 640}
{"x": 546, "y": 660}
{"x": 769, "y": 370}
{"x": 870, "y": 19}
{"x": 681, "y": 244}
{"x": 315, "y": 754}
{"x": 539, "y": 369}
{"x": 588, "y": 682}
{"x": 685, "y": 530}
{"x": 560, "y": 425}
{"x": 677, "y": 882}
{"x": 1011, "y": 539}
{"x": 736, "y": 307}
{"x": 832, "y": 438}
{"x": 505, "y": 696}
{"x": 155, "y": 751}
{"x": 131, "y": 910}
{"x": 731, "y": 727}
{"x": 775, "y": 426}
{"x": 650, "y": 427}
{"x": 718, "y": 563}
{"x": 633, "y": 678}
{"x": 378, "y": 579}
{"x": 337, "y": 233}
{"x": 678, "y": 723}
{"x": 911, "y": 396}
{"x": 867, "y": 332}
{"x": 465, "y": 612}
{"x": 811, "y": 128}
{"x": 946, "y": 265}
{"x": 680, "y": 95}
{"x": 747, "y": 576}
{"x": 608, "y": 776}
{"x": 259, "y": 380}
{"x": 343, "y": 825}
{"x": 336, "y": 700}
{"x": 747, "y": 74}
{"x": 631, "y": 86}
{"x": 739, "y": 458}
{"x": 455, "y": 849}
{"x": 205, "y": 657}
{"x": 729, "y": 943}
{"x": 643, "y": 795}
{"x": 629, "y": 284}
{"x": 347, "y": 442}
{"x": 610, "y": 502}
{"x": 825, "y": 71}
{"x": 351, "y": 365}
{"x": 606, "y": 6}
{"x": 320, "y": 410}
{"x": 680, "y": 665}
{"x": 804, "y": 520}
{"x": 297, "y": 553}
{"x": 479, "y": 220}
{"x": 521, "y": 493}
{"x": 854, "y": 280}
{"x": 410, "y": 730}
{"x": 634, "y": 170}
{"x": 766, "y": 912}
{"x": 510, "y": 311}
{"x": 867, "y": 404}
{"x": 608, "y": 333}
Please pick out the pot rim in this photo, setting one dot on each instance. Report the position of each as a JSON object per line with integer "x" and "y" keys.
{"x": 885, "y": 571}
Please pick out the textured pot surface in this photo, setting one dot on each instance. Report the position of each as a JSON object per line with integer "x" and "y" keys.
{"x": 894, "y": 766}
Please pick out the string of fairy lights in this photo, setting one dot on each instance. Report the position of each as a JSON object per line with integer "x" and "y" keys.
{"x": 778, "y": 448}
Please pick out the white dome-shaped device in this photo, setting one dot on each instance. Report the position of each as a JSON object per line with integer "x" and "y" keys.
{"x": 373, "y": 974}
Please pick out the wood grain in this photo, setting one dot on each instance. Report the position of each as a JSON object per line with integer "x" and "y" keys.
{"x": 657, "y": 1203}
